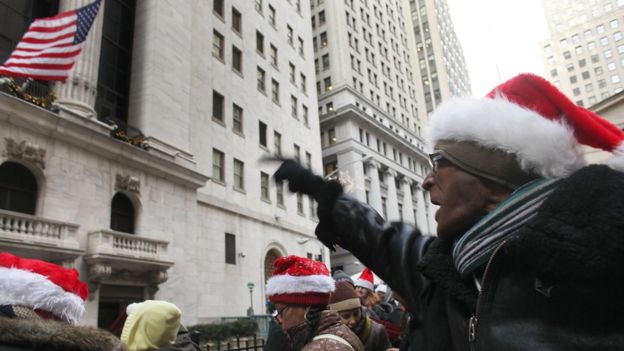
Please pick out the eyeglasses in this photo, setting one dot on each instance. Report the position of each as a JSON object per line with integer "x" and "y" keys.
{"x": 277, "y": 314}
{"x": 434, "y": 159}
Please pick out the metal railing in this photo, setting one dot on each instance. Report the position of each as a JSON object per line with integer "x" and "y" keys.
{"x": 246, "y": 344}
{"x": 40, "y": 93}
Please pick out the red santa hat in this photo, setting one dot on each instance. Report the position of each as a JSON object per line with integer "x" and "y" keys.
{"x": 529, "y": 118}
{"x": 42, "y": 286}
{"x": 366, "y": 279}
{"x": 299, "y": 281}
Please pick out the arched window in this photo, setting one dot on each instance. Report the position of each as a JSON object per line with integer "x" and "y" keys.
{"x": 270, "y": 257}
{"x": 18, "y": 188}
{"x": 122, "y": 214}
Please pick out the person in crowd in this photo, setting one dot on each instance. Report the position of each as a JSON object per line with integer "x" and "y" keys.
{"x": 40, "y": 306}
{"x": 300, "y": 288}
{"x": 529, "y": 239}
{"x": 346, "y": 302}
{"x": 388, "y": 312}
{"x": 276, "y": 339}
{"x": 339, "y": 276}
{"x": 364, "y": 287}
{"x": 151, "y": 325}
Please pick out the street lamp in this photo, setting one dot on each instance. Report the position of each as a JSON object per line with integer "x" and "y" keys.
{"x": 250, "y": 311}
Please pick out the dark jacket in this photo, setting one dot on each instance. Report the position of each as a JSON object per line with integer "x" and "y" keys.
{"x": 372, "y": 334}
{"x": 48, "y": 335}
{"x": 555, "y": 285}
{"x": 330, "y": 323}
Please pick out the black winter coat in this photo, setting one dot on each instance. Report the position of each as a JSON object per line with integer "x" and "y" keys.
{"x": 556, "y": 285}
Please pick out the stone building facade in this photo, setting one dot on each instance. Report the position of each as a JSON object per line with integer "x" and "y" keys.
{"x": 181, "y": 209}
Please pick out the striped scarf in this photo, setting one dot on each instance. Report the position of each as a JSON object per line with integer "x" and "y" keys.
{"x": 473, "y": 249}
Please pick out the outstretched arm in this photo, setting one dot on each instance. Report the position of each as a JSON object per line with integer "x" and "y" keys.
{"x": 391, "y": 250}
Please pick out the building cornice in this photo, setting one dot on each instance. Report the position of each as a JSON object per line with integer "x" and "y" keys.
{"x": 276, "y": 221}
{"x": 92, "y": 135}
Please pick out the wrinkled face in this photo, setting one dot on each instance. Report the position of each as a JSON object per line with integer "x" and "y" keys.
{"x": 362, "y": 293}
{"x": 288, "y": 316}
{"x": 463, "y": 199}
{"x": 351, "y": 317}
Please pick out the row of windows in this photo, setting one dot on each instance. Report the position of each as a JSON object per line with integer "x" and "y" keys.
{"x": 238, "y": 179}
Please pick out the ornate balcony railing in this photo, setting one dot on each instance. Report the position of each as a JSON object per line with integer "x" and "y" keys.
{"x": 115, "y": 244}
{"x": 40, "y": 93}
{"x": 27, "y": 229}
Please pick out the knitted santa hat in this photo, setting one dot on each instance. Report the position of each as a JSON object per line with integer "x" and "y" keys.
{"x": 366, "y": 279}
{"x": 529, "y": 118}
{"x": 299, "y": 281}
{"x": 344, "y": 298}
{"x": 42, "y": 286}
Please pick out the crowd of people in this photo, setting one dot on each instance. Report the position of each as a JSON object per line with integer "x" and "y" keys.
{"x": 528, "y": 251}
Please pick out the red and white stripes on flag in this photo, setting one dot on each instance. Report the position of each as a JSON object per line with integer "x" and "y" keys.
{"x": 50, "y": 47}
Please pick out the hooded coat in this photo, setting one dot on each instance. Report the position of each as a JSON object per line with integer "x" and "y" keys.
{"x": 38, "y": 334}
{"x": 330, "y": 324}
{"x": 555, "y": 285}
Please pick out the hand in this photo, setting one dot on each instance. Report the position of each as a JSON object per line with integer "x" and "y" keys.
{"x": 300, "y": 180}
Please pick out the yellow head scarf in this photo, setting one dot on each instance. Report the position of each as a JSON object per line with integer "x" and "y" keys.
{"x": 150, "y": 325}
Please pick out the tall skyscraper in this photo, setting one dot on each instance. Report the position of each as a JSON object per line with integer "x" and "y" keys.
{"x": 190, "y": 216}
{"x": 371, "y": 111}
{"x": 441, "y": 68}
{"x": 584, "y": 56}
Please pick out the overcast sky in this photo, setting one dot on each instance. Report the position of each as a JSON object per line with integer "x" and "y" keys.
{"x": 500, "y": 39}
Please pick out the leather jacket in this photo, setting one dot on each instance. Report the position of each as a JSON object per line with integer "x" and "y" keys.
{"x": 555, "y": 285}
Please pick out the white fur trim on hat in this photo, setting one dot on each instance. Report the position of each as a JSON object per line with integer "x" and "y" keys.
{"x": 616, "y": 161}
{"x": 365, "y": 284}
{"x": 21, "y": 287}
{"x": 542, "y": 146}
{"x": 289, "y": 284}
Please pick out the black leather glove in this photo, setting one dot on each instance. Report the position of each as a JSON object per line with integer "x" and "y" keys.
{"x": 300, "y": 180}
{"x": 325, "y": 192}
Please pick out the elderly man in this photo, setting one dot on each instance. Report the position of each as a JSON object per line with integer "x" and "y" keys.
{"x": 530, "y": 241}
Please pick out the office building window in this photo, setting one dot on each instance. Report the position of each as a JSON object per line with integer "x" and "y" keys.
{"x": 217, "y": 7}
{"x": 237, "y": 118}
{"x": 293, "y": 106}
{"x": 264, "y": 186}
{"x": 277, "y": 143}
{"x": 262, "y": 130}
{"x": 289, "y": 33}
{"x": 259, "y": 6}
{"x": 291, "y": 72}
{"x": 217, "y": 45}
{"x": 303, "y": 82}
{"x": 272, "y": 15}
{"x": 297, "y": 149}
{"x": 260, "y": 43}
{"x": 113, "y": 83}
{"x": 218, "y": 165}
{"x": 218, "y": 106}
{"x": 237, "y": 59}
{"x": 306, "y": 118}
{"x": 230, "y": 248}
{"x": 331, "y": 133}
{"x": 18, "y": 188}
{"x": 279, "y": 193}
{"x": 239, "y": 175}
{"x": 300, "y": 204}
{"x": 274, "y": 56}
{"x": 325, "y": 62}
{"x": 275, "y": 91}
{"x": 261, "y": 85}
{"x": 237, "y": 21}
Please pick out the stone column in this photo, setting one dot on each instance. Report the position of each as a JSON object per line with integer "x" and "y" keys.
{"x": 392, "y": 203}
{"x": 374, "y": 194}
{"x": 408, "y": 207}
{"x": 78, "y": 92}
{"x": 349, "y": 164}
{"x": 421, "y": 212}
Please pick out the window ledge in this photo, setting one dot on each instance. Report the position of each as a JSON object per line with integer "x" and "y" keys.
{"x": 218, "y": 181}
{"x": 240, "y": 190}
{"x": 218, "y": 121}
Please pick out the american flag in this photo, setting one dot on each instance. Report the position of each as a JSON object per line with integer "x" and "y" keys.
{"x": 50, "y": 47}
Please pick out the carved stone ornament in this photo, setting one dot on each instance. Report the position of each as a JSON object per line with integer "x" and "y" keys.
{"x": 99, "y": 272}
{"x": 25, "y": 151}
{"x": 128, "y": 183}
{"x": 158, "y": 277}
